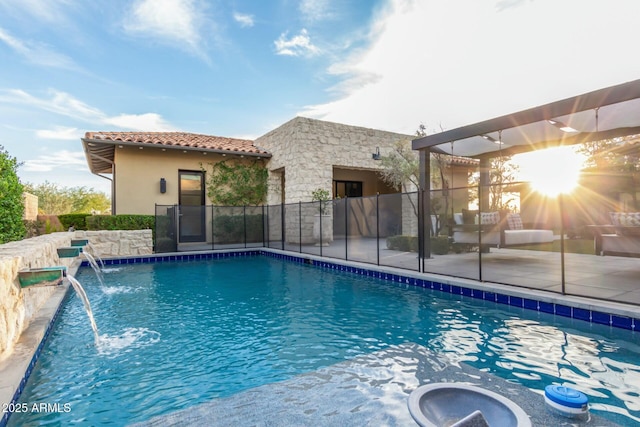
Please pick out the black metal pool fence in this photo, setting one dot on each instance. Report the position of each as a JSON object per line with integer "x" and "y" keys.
{"x": 404, "y": 230}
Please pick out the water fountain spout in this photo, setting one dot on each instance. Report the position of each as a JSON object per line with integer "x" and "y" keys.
{"x": 87, "y": 306}
{"x": 96, "y": 268}
{"x": 95, "y": 254}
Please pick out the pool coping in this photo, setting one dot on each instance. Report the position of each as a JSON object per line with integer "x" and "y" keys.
{"x": 16, "y": 368}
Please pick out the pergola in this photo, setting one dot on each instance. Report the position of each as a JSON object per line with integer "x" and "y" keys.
{"x": 599, "y": 115}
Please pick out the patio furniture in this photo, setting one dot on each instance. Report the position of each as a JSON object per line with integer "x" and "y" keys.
{"x": 497, "y": 230}
{"x": 621, "y": 237}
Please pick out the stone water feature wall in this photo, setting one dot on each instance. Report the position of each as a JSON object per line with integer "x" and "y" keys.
{"x": 19, "y": 305}
{"x": 118, "y": 243}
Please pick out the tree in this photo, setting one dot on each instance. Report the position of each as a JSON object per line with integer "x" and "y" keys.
{"x": 236, "y": 184}
{"x": 401, "y": 167}
{"x": 11, "y": 203}
{"x": 610, "y": 155}
{"x": 56, "y": 200}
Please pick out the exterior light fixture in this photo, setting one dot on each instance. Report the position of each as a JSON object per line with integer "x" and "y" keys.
{"x": 492, "y": 139}
{"x": 376, "y": 155}
{"x": 119, "y": 146}
{"x": 562, "y": 126}
{"x": 163, "y": 185}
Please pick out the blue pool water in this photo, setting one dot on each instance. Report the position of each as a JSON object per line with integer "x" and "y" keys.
{"x": 178, "y": 334}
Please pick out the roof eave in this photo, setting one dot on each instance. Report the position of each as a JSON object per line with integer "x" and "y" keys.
{"x": 591, "y": 100}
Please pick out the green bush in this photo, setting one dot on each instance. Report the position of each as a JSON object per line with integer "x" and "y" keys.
{"x": 403, "y": 243}
{"x": 11, "y": 205}
{"x": 120, "y": 222}
{"x": 78, "y": 220}
{"x": 440, "y": 245}
{"x": 165, "y": 244}
{"x": 231, "y": 228}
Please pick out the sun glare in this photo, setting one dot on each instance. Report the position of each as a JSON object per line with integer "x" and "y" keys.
{"x": 551, "y": 172}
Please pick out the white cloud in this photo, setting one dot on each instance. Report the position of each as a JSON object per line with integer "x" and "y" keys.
{"x": 425, "y": 63}
{"x": 43, "y": 10}
{"x": 63, "y": 158}
{"x": 243, "y": 19}
{"x": 177, "y": 22}
{"x": 298, "y": 45}
{"x": 59, "y": 102}
{"x": 315, "y": 10}
{"x": 66, "y": 105}
{"x": 36, "y": 53}
{"x": 151, "y": 122}
{"x": 59, "y": 132}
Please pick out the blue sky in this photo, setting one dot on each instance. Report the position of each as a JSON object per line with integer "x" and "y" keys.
{"x": 241, "y": 68}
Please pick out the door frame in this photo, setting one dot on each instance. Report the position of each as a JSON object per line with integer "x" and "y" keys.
{"x": 202, "y": 217}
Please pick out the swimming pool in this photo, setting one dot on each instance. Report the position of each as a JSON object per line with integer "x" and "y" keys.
{"x": 177, "y": 334}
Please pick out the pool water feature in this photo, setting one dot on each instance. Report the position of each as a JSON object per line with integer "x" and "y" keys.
{"x": 87, "y": 306}
{"x": 196, "y": 331}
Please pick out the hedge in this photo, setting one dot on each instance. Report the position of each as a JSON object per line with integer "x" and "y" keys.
{"x": 439, "y": 245}
{"x": 78, "y": 220}
{"x": 231, "y": 228}
{"x": 121, "y": 222}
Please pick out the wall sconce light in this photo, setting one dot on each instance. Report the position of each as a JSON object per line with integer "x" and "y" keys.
{"x": 163, "y": 185}
{"x": 376, "y": 155}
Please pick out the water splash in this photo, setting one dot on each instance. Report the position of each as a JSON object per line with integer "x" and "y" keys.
{"x": 96, "y": 268}
{"x": 87, "y": 306}
{"x": 131, "y": 338}
{"x": 96, "y": 255}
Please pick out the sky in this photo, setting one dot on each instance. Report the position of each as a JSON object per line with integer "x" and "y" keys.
{"x": 240, "y": 68}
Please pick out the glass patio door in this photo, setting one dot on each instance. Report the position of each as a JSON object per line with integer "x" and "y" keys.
{"x": 192, "y": 209}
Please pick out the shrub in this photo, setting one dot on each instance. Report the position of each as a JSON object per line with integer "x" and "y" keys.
{"x": 440, "y": 245}
{"x": 11, "y": 205}
{"x": 165, "y": 244}
{"x": 403, "y": 243}
{"x": 120, "y": 222}
{"x": 231, "y": 228}
{"x": 78, "y": 220}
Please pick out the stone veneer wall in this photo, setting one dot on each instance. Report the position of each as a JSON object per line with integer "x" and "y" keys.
{"x": 309, "y": 149}
{"x": 118, "y": 243}
{"x": 19, "y": 305}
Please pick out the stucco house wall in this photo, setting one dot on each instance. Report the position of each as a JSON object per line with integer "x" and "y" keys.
{"x": 138, "y": 173}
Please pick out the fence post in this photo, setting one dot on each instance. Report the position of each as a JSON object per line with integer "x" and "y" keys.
{"x": 320, "y": 213}
{"x": 346, "y": 227}
{"x": 263, "y": 224}
{"x": 213, "y": 228}
{"x": 244, "y": 217}
{"x": 377, "y": 228}
{"x": 300, "y": 226}
{"x": 282, "y": 225}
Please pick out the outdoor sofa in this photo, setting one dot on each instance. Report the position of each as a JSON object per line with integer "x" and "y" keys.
{"x": 498, "y": 230}
{"x": 626, "y": 239}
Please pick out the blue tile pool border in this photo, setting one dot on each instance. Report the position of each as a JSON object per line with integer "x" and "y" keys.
{"x": 563, "y": 310}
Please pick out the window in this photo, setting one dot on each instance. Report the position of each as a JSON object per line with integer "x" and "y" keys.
{"x": 342, "y": 189}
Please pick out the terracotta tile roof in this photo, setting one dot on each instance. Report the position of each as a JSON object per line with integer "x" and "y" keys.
{"x": 179, "y": 139}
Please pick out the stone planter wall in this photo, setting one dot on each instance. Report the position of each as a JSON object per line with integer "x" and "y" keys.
{"x": 118, "y": 243}
{"x": 19, "y": 305}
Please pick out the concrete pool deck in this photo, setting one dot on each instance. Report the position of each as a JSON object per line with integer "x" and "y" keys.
{"x": 13, "y": 369}
{"x": 369, "y": 390}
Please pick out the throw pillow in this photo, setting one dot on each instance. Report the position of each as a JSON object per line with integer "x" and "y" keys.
{"x": 514, "y": 221}
{"x": 489, "y": 218}
{"x": 468, "y": 216}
